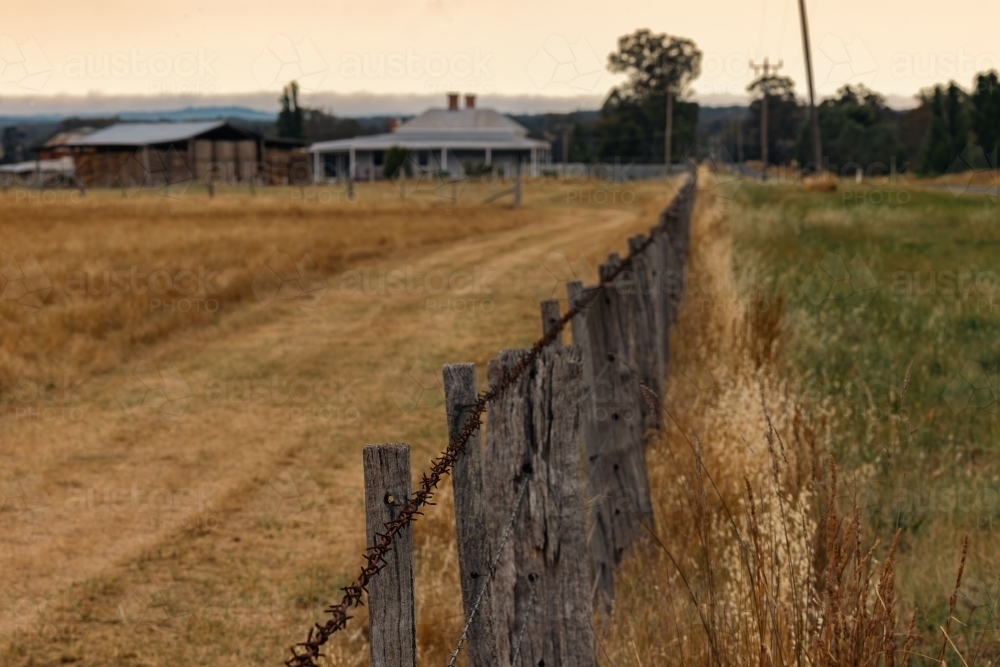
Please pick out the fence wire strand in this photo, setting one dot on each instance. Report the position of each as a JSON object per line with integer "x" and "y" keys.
{"x": 492, "y": 572}
{"x": 533, "y": 580}
{"x": 305, "y": 654}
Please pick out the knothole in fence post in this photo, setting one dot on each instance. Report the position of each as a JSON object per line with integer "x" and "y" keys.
{"x": 391, "y": 613}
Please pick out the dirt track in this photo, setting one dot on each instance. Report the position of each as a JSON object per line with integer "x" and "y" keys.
{"x": 217, "y": 533}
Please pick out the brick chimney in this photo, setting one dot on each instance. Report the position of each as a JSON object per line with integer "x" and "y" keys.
{"x": 452, "y": 101}
{"x": 470, "y": 101}
{"x": 393, "y": 124}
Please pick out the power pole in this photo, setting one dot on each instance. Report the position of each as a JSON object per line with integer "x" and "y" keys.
{"x": 813, "y": 115}
{"x": 768, "y": 71}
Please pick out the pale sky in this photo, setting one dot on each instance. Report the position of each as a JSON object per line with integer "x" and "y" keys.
{"x": 548, "y": 48}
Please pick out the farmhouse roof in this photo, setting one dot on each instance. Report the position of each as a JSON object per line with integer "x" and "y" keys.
{"x": 455, "y": 129}
{"x": 461, "y": 120}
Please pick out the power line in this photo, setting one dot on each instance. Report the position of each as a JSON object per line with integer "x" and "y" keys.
{"x": 784, "y": 18}
{"x": 763, "y": 17}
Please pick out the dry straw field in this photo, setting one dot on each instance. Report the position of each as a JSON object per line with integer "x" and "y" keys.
{"x": 185, "y": 487}
{"x": 182, "y": 484}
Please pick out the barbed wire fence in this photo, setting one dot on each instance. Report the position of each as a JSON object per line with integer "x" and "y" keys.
{"x": 546, "y": 414}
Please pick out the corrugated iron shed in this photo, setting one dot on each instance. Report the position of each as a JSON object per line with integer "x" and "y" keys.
{"x": 145, "y": 134}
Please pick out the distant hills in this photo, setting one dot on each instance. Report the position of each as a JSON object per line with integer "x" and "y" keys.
{"x": 186, "y": 114}
{"x": 200, "y": 113}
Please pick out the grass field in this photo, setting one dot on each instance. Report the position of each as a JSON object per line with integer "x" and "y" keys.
{"x": 182, "y": 483}
{"x": 821, "y": 324}
{"x": 182, "y": 479}
{"x": 924, "y": 295}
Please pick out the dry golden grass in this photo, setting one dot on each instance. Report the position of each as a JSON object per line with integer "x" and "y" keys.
{"x": 756, "y": 556}
{"x": 91, "y": 319}
{"x": 777, "y": 567}
{"x": 732, "y": 483}
{"x": 94, "y": 572}
{"x": 824, "y": 182}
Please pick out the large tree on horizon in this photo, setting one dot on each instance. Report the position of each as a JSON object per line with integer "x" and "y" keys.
{"x": 656, "y": 65}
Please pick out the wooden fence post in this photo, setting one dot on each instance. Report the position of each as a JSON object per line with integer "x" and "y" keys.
{"x": 475, "y": 544}
{"x": 645, "y": 352}
{"x": 541, "y": 595}
{"x": 391, "y": 617}
{"x": 659, "y": 258}
{"x": 673, "y": 232}
{"x": 614, "y": 456}
{"x": 598, "y": 542}
{"x": 550, "y": 317}
{"x": 631, "y": 322}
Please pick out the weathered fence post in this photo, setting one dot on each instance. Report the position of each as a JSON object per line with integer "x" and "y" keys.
{"x": 614, "y": 456}
{"x": 391, "y": 614}
{"x": 541, "y": 595}
{"x": 550, "y": 317}
{"x": 673, "y": 233}
{"x": 598, "y": 543}
{"x": 646, "y": 331}
{"x": 659, "y": 259}
{"x": 475, "y": 544}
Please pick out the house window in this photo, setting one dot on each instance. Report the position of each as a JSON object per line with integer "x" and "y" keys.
{"x": 422, "y": 158}
{"x": 378, "y": 158}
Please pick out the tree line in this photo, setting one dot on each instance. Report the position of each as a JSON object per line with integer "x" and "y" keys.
{"x": 856, "y": 125}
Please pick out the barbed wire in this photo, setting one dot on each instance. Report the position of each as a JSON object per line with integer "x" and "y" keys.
{"x": 304, "y": 654}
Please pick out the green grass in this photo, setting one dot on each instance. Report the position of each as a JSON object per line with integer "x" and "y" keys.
{"x": 933, "y": 269}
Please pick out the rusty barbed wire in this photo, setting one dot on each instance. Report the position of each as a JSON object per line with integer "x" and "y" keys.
{"x": 304, "y": 654}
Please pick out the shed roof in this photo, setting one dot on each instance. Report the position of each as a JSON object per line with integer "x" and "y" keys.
{"x": 144, "y": 134}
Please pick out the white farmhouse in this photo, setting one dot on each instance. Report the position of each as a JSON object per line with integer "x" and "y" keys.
{"x": 439, "y": 141}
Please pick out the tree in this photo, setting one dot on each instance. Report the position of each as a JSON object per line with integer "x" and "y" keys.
{"x": 986, "y": 111}
{"x": 948, "y": 131}
{"x": 857, "y": 127}
{"x": 784, "y": 115}
{"x": 958, "y": 128}
{"x": 12, "y": 147}
{"x": 395, "y": 161}
{"x": 290, "y": 123}
{"x": 579, "y": 151}
{"x": 633, "y": 130}
{"x": 657, "y": 65}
